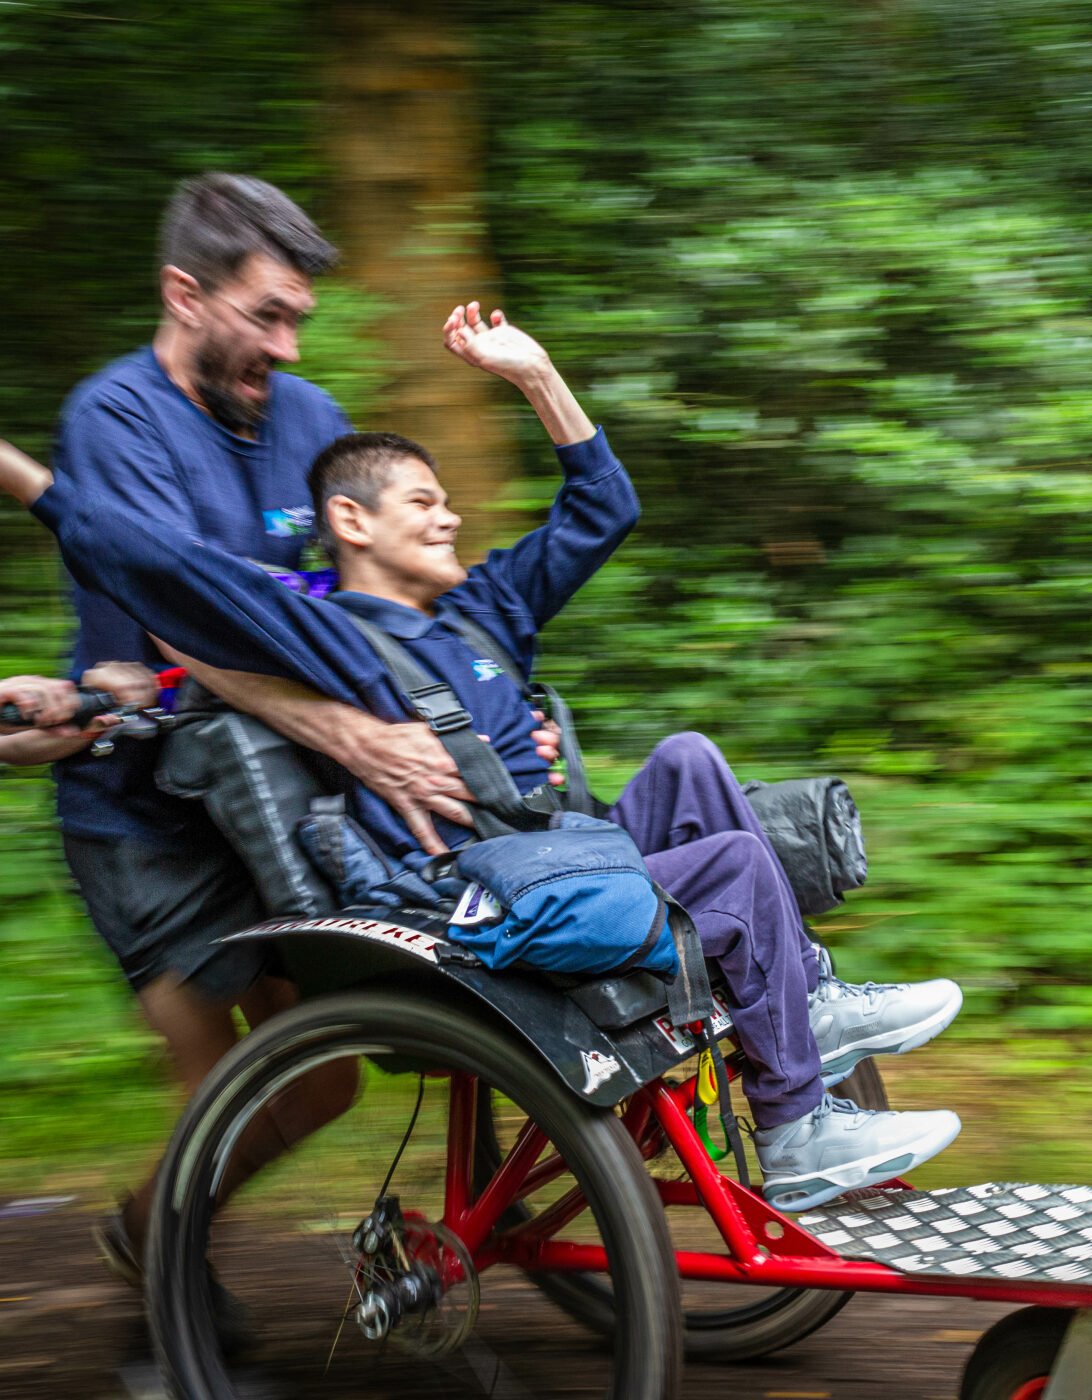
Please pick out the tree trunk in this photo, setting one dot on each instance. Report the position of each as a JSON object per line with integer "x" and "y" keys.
{"x": 405, "y": 143}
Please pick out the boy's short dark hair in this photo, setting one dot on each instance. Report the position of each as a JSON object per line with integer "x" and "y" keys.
{"x": 357, "y": 465}
{"x": 217, "y": 221}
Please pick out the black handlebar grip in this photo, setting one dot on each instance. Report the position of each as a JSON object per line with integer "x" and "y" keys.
{"x": 92, "y": 703}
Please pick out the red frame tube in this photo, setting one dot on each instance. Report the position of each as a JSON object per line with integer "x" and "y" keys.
{"x": 763, "y": 1247}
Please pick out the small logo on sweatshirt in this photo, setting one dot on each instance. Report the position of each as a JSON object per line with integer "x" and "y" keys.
{"x": 289, "y": 521}
{"x": 487, "y": 670}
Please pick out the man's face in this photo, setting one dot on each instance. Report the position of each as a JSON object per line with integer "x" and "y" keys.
{"x": 413, "y": 536}
{"x": 249, "y": 326}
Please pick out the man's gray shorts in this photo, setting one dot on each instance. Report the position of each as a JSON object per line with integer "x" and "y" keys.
{"x": 162, "y": 910}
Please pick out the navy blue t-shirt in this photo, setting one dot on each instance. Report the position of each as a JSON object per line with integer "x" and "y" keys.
{"x": 229, "y": 614}
{"x": 132, "y": 438}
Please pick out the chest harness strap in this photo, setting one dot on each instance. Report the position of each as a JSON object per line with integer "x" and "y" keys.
{"x": 577, "y": 797}
{"x": 500, "y": 806}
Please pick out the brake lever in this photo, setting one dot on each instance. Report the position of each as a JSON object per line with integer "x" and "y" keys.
{"x": 137, "y": 722}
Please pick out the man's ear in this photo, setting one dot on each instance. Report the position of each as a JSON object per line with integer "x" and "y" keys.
{"x": 181, "y": 295}
{"x": 350, "y": 522}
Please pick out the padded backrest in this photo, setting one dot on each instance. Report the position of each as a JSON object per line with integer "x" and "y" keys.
{"x": 256, "y": 785}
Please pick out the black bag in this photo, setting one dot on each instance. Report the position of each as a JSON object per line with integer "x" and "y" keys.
{"x": 255, "y": 785}
{"x": 815, "y": 828}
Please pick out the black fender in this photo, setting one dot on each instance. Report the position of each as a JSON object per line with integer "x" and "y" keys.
{"x": 357, "y": 946}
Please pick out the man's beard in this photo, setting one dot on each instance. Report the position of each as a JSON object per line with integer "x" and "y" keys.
{"x": 212, "y": 380}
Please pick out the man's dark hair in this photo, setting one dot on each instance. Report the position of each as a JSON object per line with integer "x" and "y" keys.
{"x": 215, "y": 222}
{"x": 357, "y": 465}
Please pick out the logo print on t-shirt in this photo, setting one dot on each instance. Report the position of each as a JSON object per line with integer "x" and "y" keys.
{"x": 288, "y": 521}
{"x": 487, "y": 670}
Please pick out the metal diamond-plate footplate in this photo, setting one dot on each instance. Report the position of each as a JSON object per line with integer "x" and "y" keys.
{"x": 997, "y": 1230}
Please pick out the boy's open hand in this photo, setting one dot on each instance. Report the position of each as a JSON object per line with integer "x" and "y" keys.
{"x": 494, "y": 345}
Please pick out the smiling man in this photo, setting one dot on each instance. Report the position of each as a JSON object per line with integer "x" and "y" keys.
{"x": 195, "y": 431}
{"x": 199, "y": 432}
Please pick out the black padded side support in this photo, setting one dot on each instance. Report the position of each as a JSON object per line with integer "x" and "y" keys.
{"x": 255, "y": 785}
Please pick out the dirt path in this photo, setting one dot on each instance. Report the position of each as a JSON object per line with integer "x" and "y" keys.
{"x": 66, "y": 1329}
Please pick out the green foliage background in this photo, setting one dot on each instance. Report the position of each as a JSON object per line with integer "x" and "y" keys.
{"x": 824, "y": 273}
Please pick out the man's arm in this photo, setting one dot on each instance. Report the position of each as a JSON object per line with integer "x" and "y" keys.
{"x": 48, "y": 704}
{"x": 405, "y": 764}
{"x": 106, "y": 447}
{"x": 299, "y": 652}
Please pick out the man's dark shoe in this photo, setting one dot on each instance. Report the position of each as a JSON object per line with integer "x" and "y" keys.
{"x": 231, "y": 1317}
{"x": 116, "y": 1250}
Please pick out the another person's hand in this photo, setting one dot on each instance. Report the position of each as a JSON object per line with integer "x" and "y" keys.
{"x": 494, "y": 345}
{"x": 547, "y": 740}
{"x": 128, "y": 681}
{"x": 408, "y": 767}
{"x": 43, "y": 702}
{"x": 21, "y": 476}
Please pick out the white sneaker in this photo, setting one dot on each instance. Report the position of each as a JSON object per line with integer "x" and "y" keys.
{"x": 850, "y": 1022}
{"x": 839, "y": 1147}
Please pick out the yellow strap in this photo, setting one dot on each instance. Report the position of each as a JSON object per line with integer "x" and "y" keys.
{"x": 706, "y": 1088}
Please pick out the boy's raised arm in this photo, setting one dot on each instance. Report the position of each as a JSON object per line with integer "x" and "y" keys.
{"x": 499, "y": 348}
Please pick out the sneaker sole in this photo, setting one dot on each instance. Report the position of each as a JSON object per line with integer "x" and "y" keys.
{"x": 800, "y": 1193}
{"x": 837, "y": 1065}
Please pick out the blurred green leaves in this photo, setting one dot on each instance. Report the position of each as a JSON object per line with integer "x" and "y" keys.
{"x": 823, "y": 271}
{"x": 827, "y": 271}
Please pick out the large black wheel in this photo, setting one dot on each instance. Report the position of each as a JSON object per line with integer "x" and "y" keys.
{"x": 290, "y": 1242}
{"x": 722, "y": 1321}
{"x": 1013, "y": 1360}
{"x": 864, "y": 1086}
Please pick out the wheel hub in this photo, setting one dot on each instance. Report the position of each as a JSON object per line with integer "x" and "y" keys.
{"x": 416, "y": 1280}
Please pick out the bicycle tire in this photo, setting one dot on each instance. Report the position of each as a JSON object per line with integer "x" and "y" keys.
{"x": 1014, "y": 1358}
{"x": 409, "y": 1028}
{"x": 768, "y": 1321}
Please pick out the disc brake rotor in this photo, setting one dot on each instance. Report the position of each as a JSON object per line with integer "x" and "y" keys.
{"x": 446, "y": 1325}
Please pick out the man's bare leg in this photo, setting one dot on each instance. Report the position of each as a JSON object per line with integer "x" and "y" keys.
{"x": 198, "y": 1033}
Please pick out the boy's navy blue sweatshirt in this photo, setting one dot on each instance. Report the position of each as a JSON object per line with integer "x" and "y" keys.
{"x": 229, "y": 613}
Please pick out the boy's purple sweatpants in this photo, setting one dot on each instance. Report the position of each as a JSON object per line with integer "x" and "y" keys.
{"x": 703, "y": 843}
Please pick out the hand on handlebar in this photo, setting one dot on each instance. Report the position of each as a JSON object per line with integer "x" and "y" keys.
{"x": 109, "y": 693}
{"x": 128, "y": 681}
{"x": 40, "y": 701}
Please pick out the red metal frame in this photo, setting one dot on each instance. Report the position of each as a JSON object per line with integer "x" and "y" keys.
{"x": 763, "y": 1247}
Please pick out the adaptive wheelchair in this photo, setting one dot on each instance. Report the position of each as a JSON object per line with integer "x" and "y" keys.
{"x": 512, "y": 1135}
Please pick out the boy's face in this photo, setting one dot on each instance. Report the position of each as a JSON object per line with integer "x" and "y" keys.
{"x": 413, "y": 535}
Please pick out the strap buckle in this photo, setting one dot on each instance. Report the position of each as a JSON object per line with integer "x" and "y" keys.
{"x": 440, "y": 710}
